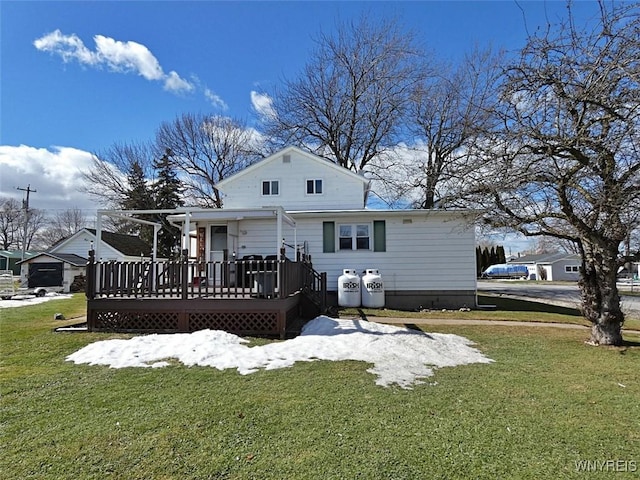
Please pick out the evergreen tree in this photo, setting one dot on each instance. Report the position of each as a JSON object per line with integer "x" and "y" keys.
{"x": 493, "y": 258}
{"x": 486, "y": 259}
{"x": 139, "y": 196}
{"x": 167, "y": 192}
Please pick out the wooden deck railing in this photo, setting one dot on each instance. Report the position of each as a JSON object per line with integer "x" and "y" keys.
{"x": 190, "y": 279}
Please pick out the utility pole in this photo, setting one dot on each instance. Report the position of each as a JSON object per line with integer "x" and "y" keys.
{"x": 25, "y": 205}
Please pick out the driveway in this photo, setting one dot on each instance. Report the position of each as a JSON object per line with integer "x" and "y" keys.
{"x": 563, "y": 294}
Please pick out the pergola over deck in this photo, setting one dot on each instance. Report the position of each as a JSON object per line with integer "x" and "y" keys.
{"x": 256, "y": 297}
{"x": 184, "y": 217}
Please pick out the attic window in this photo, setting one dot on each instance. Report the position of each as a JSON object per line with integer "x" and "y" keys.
{"x": 314, "y": 187}
{"x": 270, "y": 187}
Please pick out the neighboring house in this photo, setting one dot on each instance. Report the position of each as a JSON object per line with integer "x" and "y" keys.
{"x": 67, "y": 259}
{"x": 556, "y": 266}
{"x": 9, "y": 259}
{"x": 293, "y": 198}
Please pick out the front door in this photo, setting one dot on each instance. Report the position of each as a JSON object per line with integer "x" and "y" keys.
{"x": 218, "y": 248}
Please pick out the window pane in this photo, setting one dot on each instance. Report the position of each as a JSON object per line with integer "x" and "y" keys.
{"x": 345, "y": 244}
{"x": 362, "y": 230}
{"x": 265, "y": 188}
{"x": 318, "y": 186}
{"x": 274, "y": 187}
{"x": 362, "y": 243}
{"x": 309, "y": 186}
{"x": 345, "y": 231}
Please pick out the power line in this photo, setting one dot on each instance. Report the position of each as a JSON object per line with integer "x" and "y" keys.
{"x": 25, "y": 205}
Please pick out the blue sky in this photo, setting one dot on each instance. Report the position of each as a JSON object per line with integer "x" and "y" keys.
{"x": 198, "y": 57}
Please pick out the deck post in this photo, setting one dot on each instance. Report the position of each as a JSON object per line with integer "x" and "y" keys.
{"x": 185, "y": 274}
{"x": 323, "y": 290}
{"x": 90, "y": 287}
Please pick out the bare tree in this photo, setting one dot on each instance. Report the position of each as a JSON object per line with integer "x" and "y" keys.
{"x": 205, "y": 150}
{"x": 11, "y": 214}
{"x": 35, "y": 221}
{"x": 63, "y": 224}
{"x": 564, "y": 158}
{"x": 106, "y": 180}
{"x": 348, "y": 103}
{"x": 446, "y": 111}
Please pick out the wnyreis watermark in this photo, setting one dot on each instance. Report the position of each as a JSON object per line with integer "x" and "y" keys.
{"x": 606, "y": 465}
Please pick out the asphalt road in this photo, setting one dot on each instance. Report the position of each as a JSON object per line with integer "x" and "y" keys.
{"x": 553, "y": 293}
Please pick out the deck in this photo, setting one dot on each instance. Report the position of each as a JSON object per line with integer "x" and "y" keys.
{"x": 244, "y": 297}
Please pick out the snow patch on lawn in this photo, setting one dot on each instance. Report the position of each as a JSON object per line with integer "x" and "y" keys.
{"x": 399, "y": 355}
{"x": 24, "y": 300}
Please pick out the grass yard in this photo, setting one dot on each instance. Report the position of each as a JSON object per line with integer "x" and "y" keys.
{"x": 547, "y": 404}
{"x": 506, "y": 309}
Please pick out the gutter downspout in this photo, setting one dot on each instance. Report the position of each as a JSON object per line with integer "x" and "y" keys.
{"x": 278, "y": 245}
{"x": 98, "y": 237}
{"x": 186, "y": 241}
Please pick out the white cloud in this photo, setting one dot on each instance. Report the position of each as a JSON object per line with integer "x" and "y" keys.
{"x": 69, "y": 47}
{"x": 173, "y": 83}
{"x": 263, "y": 105}
{"x": 215, "y": 100}
{"x": 54, "y": 174}
{"x": 122, "y": 57}
{"x": 128, "y": 56}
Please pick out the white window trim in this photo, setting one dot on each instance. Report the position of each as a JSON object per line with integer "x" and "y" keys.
{"x": 354, "y": 237}
{"x": 271, "y": 181}
{"x": 314, "y": 180}
{"x": 571, "y": 268}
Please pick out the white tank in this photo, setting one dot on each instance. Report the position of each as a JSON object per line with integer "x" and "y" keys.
{"x": 349, "y": 289}
{"x": 372, "y": 289}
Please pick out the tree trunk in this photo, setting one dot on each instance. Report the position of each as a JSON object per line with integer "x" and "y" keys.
{"x": 600, "y": 297}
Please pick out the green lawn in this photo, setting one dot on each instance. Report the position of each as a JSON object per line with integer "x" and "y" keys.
{"x": 506, "y": 309}
{"x": 546, "y": 403}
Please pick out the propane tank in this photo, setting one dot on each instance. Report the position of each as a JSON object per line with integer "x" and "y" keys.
{"x": 372, "y": 289}
{"x": 349, "y": 289}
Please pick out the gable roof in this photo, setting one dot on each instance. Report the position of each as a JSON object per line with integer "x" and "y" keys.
{"x": 265, "y": 161}
{"x": 128, "y": 245}
{"x": 75, "y": 260}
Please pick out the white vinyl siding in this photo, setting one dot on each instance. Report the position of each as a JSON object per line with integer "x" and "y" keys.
{"x": 341, "y": 189}
{"x": 431, "y": 253}
{"x": 81, "y": 244}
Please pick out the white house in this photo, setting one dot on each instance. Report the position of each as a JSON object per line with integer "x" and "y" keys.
{"x": 67, "y": 259}
{"x": 305, "y": 203}
{"x": 555, "y": 266}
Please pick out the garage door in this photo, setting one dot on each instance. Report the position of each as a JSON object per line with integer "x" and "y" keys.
{"x": 45, "y": 274}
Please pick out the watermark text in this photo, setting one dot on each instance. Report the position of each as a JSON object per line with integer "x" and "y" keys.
{"x": 610, "y": 465}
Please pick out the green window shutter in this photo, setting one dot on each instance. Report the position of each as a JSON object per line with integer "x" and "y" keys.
{"x": 379, "y": 236}
{"x": 328, "y": 237}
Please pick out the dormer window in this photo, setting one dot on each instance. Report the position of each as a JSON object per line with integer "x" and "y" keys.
{"x": 314, "y": 187}
{"x": 270, "y": 187}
